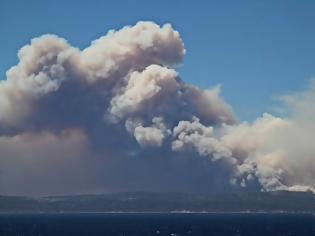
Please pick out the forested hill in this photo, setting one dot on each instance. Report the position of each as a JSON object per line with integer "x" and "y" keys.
{"x": 280, "y": 201}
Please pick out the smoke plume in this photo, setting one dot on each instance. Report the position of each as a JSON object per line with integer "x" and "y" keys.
{"x": 116, "y": 116}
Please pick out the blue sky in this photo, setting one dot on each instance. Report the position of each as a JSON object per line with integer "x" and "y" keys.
{"x": 255, "y": 49}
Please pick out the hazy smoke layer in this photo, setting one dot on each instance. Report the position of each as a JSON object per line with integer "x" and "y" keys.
{"x": 116, "y": 117}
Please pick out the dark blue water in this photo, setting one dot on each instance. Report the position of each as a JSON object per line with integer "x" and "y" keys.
{"x": 157, "y": 224}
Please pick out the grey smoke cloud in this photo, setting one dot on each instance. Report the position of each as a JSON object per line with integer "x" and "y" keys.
{"x": 39, "y": 71}
{"x": 116, "y": 116}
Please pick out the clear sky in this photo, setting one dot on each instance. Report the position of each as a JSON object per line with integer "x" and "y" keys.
{"x": 255, "y": 49}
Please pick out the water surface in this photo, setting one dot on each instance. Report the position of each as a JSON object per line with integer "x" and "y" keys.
{"x": 174, "y": 224}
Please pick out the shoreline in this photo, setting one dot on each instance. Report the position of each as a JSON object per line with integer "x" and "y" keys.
{"x": 157, "y": 212}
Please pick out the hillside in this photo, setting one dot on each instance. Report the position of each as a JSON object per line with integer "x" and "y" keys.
{"x": 280, "y": 201}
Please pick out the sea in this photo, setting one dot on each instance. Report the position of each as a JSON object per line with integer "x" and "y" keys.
{"x": 158, "y": 224}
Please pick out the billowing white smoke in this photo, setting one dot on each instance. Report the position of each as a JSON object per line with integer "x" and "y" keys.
{"x": 40, "y": 71}
{"x": 116, "y": 117}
